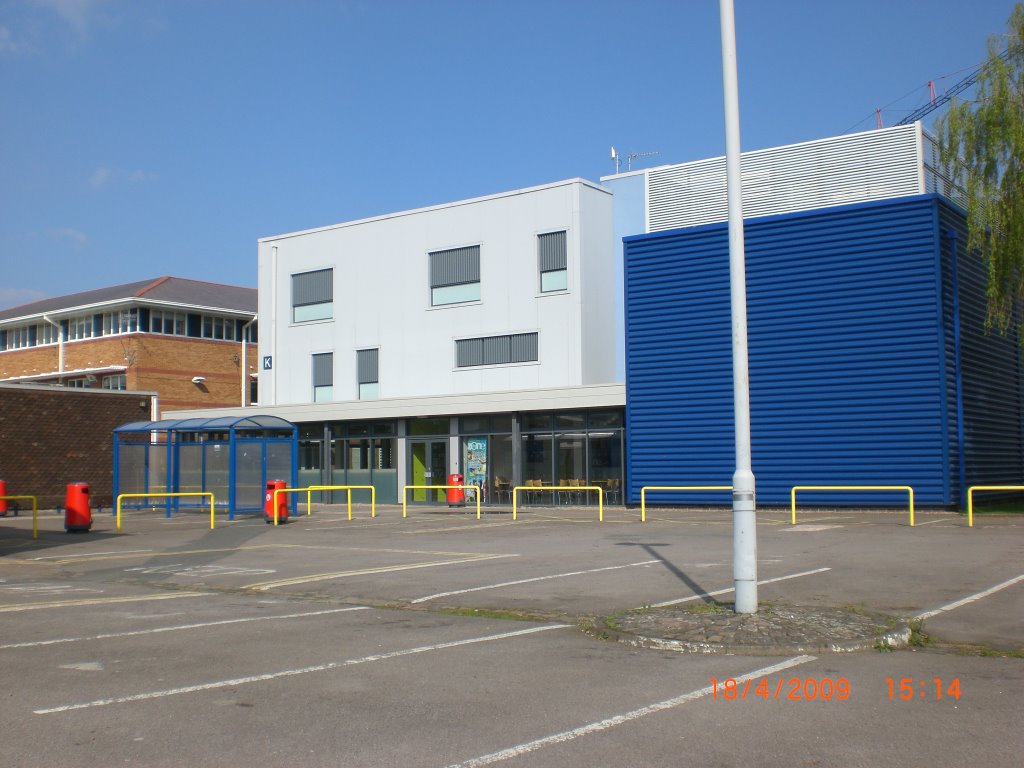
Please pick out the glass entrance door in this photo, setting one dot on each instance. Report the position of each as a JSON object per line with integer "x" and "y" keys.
{"x": 429, "y": 467}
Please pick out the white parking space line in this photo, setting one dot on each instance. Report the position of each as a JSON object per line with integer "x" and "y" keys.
{"x": 293, "y": 672}
{"x": 98, "y": 601}
{"x": 933, "y": 522}
{"x": 528, "y": 581}
{"x": 471, "y": 527}
{"x": 702, "y": 595}
{"x": 180, "y": 627}
{"x": 611, "y": 722}
{"x": 970, "y": 598}
{"x": 93, "y": 554}
{"x": 268, "y": 585}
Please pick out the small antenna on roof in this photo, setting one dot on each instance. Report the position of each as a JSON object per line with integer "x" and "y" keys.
{"x": 630, "y": 157}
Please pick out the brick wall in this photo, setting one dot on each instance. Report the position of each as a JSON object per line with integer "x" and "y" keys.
{"x": 163, "y": 364}
{"x": 167, "y": 364}
{"x": 52, "y": 436}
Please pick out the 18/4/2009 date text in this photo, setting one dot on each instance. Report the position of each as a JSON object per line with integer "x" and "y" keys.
{"x": 790, "y": 689}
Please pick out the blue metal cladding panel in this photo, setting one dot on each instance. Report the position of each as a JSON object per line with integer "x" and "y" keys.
{"x": 846, "y": 350}
{"x": 991, "y": 375}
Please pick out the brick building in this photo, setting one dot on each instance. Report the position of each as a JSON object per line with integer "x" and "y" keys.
{"x": 52, "y": 436}
{"x": 191, "y": 342}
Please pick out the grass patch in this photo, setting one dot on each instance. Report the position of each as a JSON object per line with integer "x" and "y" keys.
{"x": 988, "y": 652}
{"x": 918, "y": 637}
{"x": 891, "y": 622}
{"x": 488, "y": 613}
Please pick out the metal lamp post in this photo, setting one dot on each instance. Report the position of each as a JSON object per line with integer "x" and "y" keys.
{"x": 744, "y": 513}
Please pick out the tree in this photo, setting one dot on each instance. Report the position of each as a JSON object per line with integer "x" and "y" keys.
{"x": 981, "y": 142}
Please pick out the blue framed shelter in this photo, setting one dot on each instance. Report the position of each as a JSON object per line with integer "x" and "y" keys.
{"x": 231, "y": 456}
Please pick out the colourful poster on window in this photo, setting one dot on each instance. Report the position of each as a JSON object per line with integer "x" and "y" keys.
{"x": 474, "y": 461}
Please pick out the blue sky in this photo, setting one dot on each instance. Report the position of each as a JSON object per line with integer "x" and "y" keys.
{"x": 148, "y": 137}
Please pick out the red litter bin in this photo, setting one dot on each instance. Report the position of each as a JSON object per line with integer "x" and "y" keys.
{"x": 3, "y": 502}
{"x": 282, "y": 502}
{"x": 456, "y": 496}
{"x": 77, "y": 513}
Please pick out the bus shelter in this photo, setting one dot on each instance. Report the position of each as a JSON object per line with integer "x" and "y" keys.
{"x": 233, "y": 457}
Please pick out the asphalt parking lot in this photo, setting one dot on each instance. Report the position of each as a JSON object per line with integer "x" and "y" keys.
{"x": 441, "y": 640}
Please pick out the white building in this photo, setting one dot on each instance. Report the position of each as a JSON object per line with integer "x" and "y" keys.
{"x": 506, "y": 292}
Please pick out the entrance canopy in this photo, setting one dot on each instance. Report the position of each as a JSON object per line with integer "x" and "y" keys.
{"x": 231, "y": 456}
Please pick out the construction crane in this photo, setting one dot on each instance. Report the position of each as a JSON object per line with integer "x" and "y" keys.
{"x": 936, "y": 102}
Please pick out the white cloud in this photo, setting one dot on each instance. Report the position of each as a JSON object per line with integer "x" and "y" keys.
{"x": 77, "y": 14}
{"x": 13, "y": 297}
{"x": 74, "y": 236}
{"x": 100, "y": 178}
{"x": 7, "y": 43}
{"x": 104, "y": 176}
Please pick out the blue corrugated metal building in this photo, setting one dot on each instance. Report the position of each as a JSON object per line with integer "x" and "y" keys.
{"x": 869, "y": 359}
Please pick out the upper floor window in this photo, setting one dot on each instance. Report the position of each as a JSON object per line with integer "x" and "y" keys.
{"x": 496, "y": 350}
{"x": 366, "y": 365}
{"x": 47, "y": 334}
{"x": 551, "y": 254}
{"x": 455, "y": 275}
{"x": 80, "y": 327}
{"x": 17, "y": 338}
{"x": 313, "y": 296}
{"x": 167, "y": 322}
{"x": 124, "y": 321}
{"x": 323, "y": 377}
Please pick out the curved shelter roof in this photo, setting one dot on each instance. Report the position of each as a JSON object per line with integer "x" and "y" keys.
{"x": 220, "y": 424}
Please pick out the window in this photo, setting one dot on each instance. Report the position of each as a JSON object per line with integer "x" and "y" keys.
{"x": 80, "y": 327}
{"x": 47, "y": 334}
{"x": 551, "y": 256}
{"x": 366, "y": 365}
{"x": 455, "y": 276}
{"x": 496, "y": 350}
{"x": 124, "y": 321}
{"x": 313, "y": 296}
{"x": 166, "y": 322}
{"x": 17, "y": 338}
{"x": 118, "y": 381}
{"x": 323, "y": 377}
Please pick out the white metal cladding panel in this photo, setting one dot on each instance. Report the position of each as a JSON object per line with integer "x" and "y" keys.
{"x": 936, "y": 179}
{"x": 991, "y": 371}
{"x": 837, "y": 171}
{"x": 846, "y": 370}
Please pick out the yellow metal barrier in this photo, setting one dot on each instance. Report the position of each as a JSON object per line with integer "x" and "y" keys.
{"x": 407, "y": 488}
{"x": 287, "y": 490}
{"x": 373, "y": 495}
{"x": 560, "y": 489}
{"x": 907, "y": 488}
{"x": 970, "y": 497}
{"x": 35, "y": 511}
{"x": 164, "y": 494}
{"x": 646, "y": 488}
